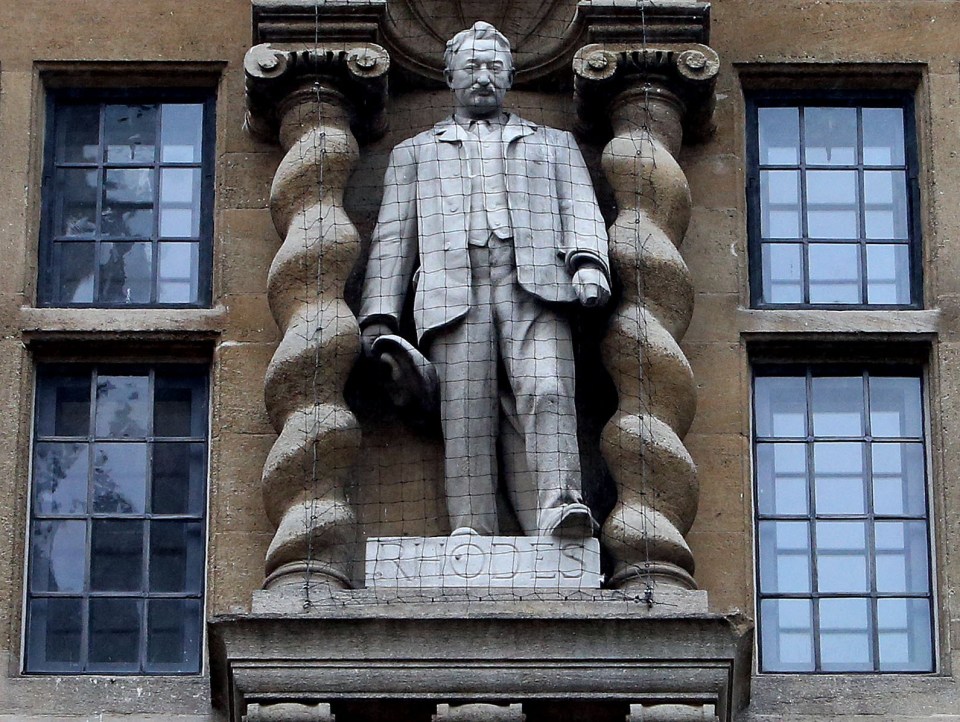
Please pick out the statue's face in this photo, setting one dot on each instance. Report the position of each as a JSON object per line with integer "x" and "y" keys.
{"x": 480, "y": 74}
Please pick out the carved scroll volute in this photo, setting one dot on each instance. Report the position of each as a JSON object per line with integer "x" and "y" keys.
{"x": 315, "y": 102}
{"x": 648, "y": 95}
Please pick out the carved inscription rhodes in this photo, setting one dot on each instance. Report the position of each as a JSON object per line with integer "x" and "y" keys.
{"x": 471, "y": 560}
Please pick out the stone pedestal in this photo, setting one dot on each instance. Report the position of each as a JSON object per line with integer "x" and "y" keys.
{"x": 577, "y": 656}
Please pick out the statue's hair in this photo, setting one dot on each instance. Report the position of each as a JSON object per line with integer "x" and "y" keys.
{"x": 478, "y": 31}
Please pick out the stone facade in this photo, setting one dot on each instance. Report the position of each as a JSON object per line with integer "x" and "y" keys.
{"x": 260, "y": 326}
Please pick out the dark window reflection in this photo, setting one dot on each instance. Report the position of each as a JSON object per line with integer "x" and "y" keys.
{"x": 54, "y": 633}
{"x": 116, "y": 541}
{"x": 173, "y": 635}
{"x": 124, "y": 178}
{"x": 115, "y": 634}
{"x": 116, "y": 556}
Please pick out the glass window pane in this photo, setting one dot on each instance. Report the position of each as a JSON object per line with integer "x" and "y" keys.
{"x": 178, "y": 273}
{"x": 786, "y": 628}
{"x": 832, "y": 204}
{"x": 123, "y": 406}
{"x": 78, "y": 133}
{"x": 125, "y": 272}
{"x": 181, "y": 132}
{"x": 180, "y": 203}
{"x": 883, "y": 136}
{"x": 116, "y": 556}
{"x": 75, "y": 266}
{"x": 178, "y": 478}
{"x": 76, "y": 201}
{"x": 780, "y": 204}
{"x": 130, "y": 133}
{"x": 895, "y": 407}
{"x": 784, "y": 557}
{"x": 782, "y": 272}
{"x": 127, "y": 203}
{"x": 904, "y": 629}
{"x": 842, "y": 557}
{"x": 63, "y": 403}
{"x": 888, "y": 274}
{"x": 180, "y": 407}
{"x": 839, "y": 478}
{"x": 176, "y": 556}
{"x": 173, "y": 635}
{"x": 834, "y": 273}
{"x": 898, "y": 480}
{"x": 53, "y": 635}
{"x": 845, "y": 639}
{"x": 781, "y": 406}
{"x": 830, "y": 135}
{"x": 60, "y": 478}
{"x": 837, "y": 405}
{"x": 115, "y": 634}
{"x": 119, "y": 478}
{"x": 57, "y": 556}
{"x": 782, "y": 478}
{"x": 885, "y": 204}
{"x": 902, "y": 558}
{"x": 779, "y": 130}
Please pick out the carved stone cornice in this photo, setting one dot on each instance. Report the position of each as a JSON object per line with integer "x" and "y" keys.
{"x": 667, "y": 21}
{"x": 545, "y": 33}
{"x": 274, "y": 75}
{"x": 604, "y": 71}
{"x": 292, "y": 21}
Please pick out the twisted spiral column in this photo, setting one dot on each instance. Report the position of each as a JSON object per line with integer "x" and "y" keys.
{"x": 656, "y": 479}
{"x": 310, "y": 100}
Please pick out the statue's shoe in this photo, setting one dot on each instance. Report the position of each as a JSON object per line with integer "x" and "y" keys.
{"x": 568, "y": 520}
{"x": 464, "y": 531}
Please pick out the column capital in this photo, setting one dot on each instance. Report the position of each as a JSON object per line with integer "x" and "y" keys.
{"x": 276, "y": 74}
{"x": 604, "y": 72}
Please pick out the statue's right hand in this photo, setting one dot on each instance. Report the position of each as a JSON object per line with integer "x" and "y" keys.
{"x": 371, "y": 333}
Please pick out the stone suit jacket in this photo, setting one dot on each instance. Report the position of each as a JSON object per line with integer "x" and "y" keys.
{"x": 424, "y": 217}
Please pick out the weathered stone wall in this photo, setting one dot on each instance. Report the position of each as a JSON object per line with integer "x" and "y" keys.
{"x": 117, "y": 41}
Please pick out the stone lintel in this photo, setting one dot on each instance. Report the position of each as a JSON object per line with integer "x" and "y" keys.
{"x": 603, "y": 72}
{"x": 629, "y": 21}
{"x": 355, "y": 71}
{"x": 290, "y": 21}
{"x": 483, "y": 562}
{"x": 531, "y": 653}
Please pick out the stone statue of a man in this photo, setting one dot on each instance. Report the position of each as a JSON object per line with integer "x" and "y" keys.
{"x": 493, "y": 222}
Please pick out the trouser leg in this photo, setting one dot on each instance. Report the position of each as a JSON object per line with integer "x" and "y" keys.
{"x": 537, "y": 351}
{"x": 465, "y": 359}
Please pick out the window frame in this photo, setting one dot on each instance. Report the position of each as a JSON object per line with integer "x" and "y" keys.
{"x": 807, "y": 372}
{"x": 47, "y": 272}
{"x": 904, "y": 99}
{"x": 197, "y": 370}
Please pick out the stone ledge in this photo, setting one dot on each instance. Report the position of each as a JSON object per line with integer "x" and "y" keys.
{"x": 476, "y": 603}
{"x": 758, "y": 323}
{"x": 53, "y": 324}
{"x": 404, "y": 656}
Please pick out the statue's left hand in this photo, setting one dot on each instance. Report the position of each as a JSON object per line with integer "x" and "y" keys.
{"x": 592, "y": 287}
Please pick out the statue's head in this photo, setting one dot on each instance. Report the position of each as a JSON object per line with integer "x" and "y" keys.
{"x": 479, "y": 69}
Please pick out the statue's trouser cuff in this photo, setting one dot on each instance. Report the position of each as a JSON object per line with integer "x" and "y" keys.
{"x": 506, "y": 324}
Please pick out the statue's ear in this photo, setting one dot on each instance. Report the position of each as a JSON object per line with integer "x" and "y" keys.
{"x": 448, "y": 76}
